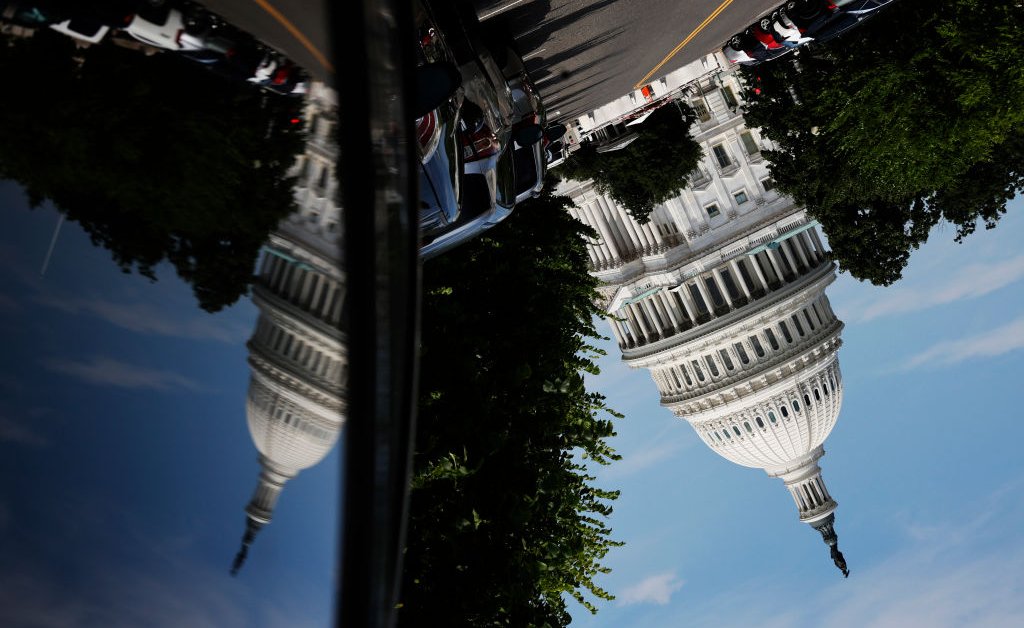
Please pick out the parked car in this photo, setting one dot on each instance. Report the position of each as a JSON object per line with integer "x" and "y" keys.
{"x": 171, "y": 29}
{"x": 83, "y": 28}
{"x": 485, "y": 185}
{"x": 796, "y": 23}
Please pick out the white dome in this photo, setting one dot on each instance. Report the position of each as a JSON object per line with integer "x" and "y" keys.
{"x": 292, "y": 433}
{"x": 778, "y": 426}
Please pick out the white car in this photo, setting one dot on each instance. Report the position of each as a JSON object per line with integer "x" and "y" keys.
{"x": 165, "y": 28}
{"x": 83, "y": 29}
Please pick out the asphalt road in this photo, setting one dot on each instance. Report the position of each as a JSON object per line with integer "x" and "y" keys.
{"x": 581, "y": 53}
{"x": 585, "y": 53}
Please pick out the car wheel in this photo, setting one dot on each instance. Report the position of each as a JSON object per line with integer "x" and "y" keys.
{"x": 528, "y": 135}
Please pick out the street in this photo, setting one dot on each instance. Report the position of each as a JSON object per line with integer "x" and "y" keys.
{"x": 581, "y": 53}
{"x": 584, "y": 54}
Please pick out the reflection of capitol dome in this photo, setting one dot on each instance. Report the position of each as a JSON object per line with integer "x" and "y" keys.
{"x": 721, "y": 296}
{"x": 296, "y": 401}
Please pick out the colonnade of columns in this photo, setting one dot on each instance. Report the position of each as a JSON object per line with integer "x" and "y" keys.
{"x": 310, "y": 290}
{"x": 744, "y": 353}
{"x": 717, "y": 291}
{"x": 621, "y": 239}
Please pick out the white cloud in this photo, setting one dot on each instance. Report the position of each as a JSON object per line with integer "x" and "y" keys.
{"x": 970, "y": 282}
{"x": 1009, "y": 337}
{"x": 656, "y": 589}
{"x": 109, "y": 372}
{"x": 147, "y": 318}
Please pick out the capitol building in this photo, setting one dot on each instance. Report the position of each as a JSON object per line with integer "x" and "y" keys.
{"x": 721, "y": 296}
{"x": 296, "y": 402}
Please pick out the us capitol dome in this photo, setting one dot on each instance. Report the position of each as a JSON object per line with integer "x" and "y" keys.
{"x": 721, "y": 295}
{"x": 296, "y": 403}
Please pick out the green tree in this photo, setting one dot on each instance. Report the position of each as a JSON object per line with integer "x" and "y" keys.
{"x": 154, "y": 157}
{"x": 913, "y": 118}
{"x": 650, "y": 170}
{"x": 504, "y": 519}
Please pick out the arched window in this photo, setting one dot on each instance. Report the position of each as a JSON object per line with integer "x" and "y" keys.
{"x": 824, "y": 386}
{"x": 799, "y": 327}
{"x": 810, "y": 320}
{"x": 758, "y": 349}
{"x": 736, "y": 429}
{"x": 771, "y": 339}
{"x": 727, "y": 435}
{"x": 746, "y": 426}
{"x": 785, "y": 412}
{"x": 807, "y": 400}
{"x": 771, "y": 417}
{"x": 726, "y": 359}
{"x": 696, "y": 369}
{"x": 817, "y": 395}
{"x": 686, "y": 376}
{"x": 796, "y": 406}
{"x": 760, "y": 423}
{"x": 740, "y": 351}
{"x": 712, "y": 366}
{"x": 785, "y": 332}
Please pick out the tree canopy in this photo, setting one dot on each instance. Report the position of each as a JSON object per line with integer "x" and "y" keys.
{"x": 504, "y": 520}
{"x": 650, "y": 170}
{"x": 154, "y": 157}
{"x": 914, "y": 117}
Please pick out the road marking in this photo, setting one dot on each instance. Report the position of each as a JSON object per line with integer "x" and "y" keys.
{"x": 296, "y": 33}
{"x": 534, "y": 54}
{"x": 689, "y": 37}
{"x": 499, "y": 10}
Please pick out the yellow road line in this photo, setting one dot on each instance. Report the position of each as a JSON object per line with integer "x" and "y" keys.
{"x": 294, "y": 30}
{"x": 689, "y": 37}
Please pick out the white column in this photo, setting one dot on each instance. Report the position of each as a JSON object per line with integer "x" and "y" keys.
{"x": 813, "y": 313}
{"x": 602, "y": 228}
{"x": 638, "y": 320}
{"x": 760, "y": 273}
{"x": 721, "y": 286}
{"x": 652, "y": 234}
{"x": 684, "y": 295}
{"x": 817, "y": 241}
{"x": 805, "y": 320}
{"x": 630, "y": 230}
{"x": 776, "y": 265}
{"x": 785, "y": 246}
{"x": 627, "y": 331}
{"x": 808, "y": 248}
{"x": 738, "y": 277}
{"x": 652, "y": 315}
{"x": 597, "y": 254}
{"x": 798, "y": 244}
{"x": 617, "y": 333}
{"x": 669, "y": 307}
{"x": 702, "y": 288}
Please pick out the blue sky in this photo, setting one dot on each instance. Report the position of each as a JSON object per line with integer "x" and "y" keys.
{"x": 127, "y": 462}
{"x": 126, "y": 455}
{"x": 925, "y": 463}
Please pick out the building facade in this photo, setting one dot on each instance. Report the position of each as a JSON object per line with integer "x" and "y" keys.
{"x": 721, "y": 296}
{"x": 296, "y": 402}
